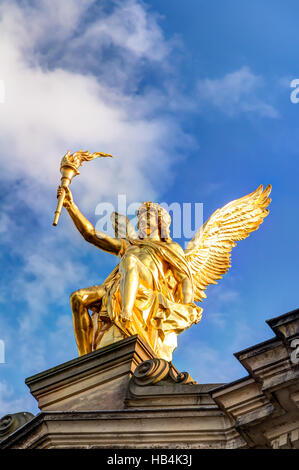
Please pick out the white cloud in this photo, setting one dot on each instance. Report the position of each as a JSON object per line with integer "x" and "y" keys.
{"x": 236, "y": 93}
{"x": 218, "y": 318}
{"x": 72, "y": 86}
{"x": 207, "y": 364}
{"x": 46, "y": 276}
{"x": 63, "y": 336}
{"x": 73, "y": 73}
{"x": 212, "y": 360}
{"x": 130, "y": 28}
{"x": 64, "y": 91}
{"x": 10, "y": 403}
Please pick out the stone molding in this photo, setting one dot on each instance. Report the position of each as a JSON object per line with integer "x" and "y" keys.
{"x": 156, "y": 370}
{"x": 122, "y": 396}
{"x": 264, "y": 405}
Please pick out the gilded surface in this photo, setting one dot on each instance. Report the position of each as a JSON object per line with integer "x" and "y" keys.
{"x": 153, "y": 289}
{"x": 69, "y": 167}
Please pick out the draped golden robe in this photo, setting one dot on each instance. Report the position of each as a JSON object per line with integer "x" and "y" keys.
{"x": 159, "y": 313}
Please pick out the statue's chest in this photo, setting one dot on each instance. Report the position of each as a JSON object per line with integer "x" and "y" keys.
{"x": 148, "y": 257}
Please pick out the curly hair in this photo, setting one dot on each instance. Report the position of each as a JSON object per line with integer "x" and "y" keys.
{"x": 164, "y": 219}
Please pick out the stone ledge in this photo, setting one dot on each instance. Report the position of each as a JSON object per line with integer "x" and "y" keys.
{"x": 91, "y": 402}
{"x": 97, "y": 380}
{"x": 156, "y": 428}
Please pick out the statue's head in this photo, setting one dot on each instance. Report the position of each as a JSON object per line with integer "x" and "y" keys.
{"x": 152, "y": 217}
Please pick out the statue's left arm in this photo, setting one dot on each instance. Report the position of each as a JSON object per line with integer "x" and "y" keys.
{"x": 187, "y": 290}
{"x": 183, "y": 279}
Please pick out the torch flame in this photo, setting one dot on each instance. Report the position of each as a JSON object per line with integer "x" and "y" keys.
{"x": 69, "y": 167}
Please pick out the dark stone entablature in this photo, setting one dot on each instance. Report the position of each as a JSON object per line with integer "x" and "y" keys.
{"x": 112, "y": 398}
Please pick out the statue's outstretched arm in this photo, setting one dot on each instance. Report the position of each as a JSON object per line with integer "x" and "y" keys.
{"x": 87, "y": 230}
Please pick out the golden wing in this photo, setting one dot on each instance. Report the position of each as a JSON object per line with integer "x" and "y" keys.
{"x": 208, "y": 253}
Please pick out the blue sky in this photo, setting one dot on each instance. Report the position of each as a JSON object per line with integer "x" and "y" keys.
{"x": 193, "y": 99}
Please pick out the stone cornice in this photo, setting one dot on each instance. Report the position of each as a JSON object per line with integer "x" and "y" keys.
{"x": 260, "y": 403}
{"x": 122, "y": 396}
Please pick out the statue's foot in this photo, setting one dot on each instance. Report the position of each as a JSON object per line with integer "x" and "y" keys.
{"x": 125, "y": 316}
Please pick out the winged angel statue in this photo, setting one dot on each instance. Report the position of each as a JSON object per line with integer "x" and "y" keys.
{"x": 153, "y": 289}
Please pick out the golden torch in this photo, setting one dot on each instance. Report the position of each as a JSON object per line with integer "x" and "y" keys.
{"x": 69, "y": 168}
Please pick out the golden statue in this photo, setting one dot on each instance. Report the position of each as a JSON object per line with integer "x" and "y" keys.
{"x": 152, "y": 290}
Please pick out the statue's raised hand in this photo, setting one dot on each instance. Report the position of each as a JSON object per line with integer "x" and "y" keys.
{"x": 68, "y": 198}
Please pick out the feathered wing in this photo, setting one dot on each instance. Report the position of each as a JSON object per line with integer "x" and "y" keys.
{"x": 122, "y": 226}
{"x": 208, "y": 253}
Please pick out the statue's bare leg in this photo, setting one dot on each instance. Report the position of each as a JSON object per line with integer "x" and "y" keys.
{"x": 133, "y": 271}
{"x": 81, "y": 300}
